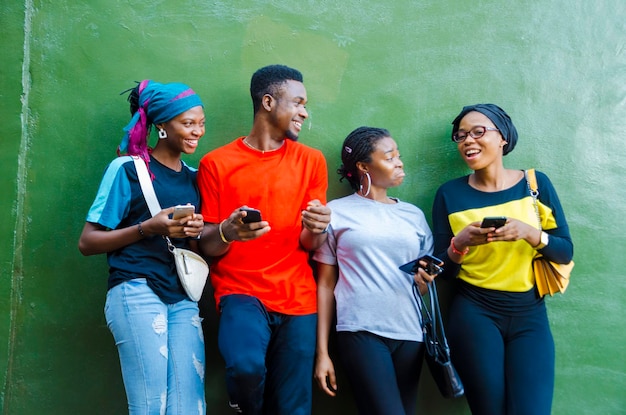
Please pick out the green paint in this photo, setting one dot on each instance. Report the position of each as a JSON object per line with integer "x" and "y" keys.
{"x": 409, "y": 66}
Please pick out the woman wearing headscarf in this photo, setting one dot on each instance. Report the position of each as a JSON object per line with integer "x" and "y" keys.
{"x": 157, "y": 328}
{"x": 498, "y": 329}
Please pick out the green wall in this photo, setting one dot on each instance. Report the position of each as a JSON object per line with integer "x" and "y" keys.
{"x": 557, "y": 67}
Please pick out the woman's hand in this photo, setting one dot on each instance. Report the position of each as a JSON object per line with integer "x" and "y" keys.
{"x": 515, "y": 230}
{"x": 325, "y": 374}
{"x": 193, "y": 225}
{"x": 189, "y": 226}
{"x": 473, "y": 235}
{"x": 423, "y": 278}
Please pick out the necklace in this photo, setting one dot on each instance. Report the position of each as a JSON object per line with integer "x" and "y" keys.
{"x": 245, "y": 141}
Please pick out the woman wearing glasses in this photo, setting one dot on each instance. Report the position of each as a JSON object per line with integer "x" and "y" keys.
{"x": 498, "y": 328}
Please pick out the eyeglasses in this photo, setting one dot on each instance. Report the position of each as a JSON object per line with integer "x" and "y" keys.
{"x": 475, "y": 132}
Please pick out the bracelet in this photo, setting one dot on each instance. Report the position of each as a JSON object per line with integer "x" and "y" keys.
{"x": 226, "y": 241}
{"x": 456, "y": 251}
{"x": 143, "y": 235}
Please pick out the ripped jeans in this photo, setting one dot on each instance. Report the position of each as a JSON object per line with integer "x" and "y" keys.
{"x": 161, "y": 349}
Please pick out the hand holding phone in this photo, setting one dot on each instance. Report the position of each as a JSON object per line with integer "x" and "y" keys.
{"x": 493, "y": 222}
{"x": 252, "y": 215}
{"x": 434, "y": 266}
{"x": 181, "y": 211}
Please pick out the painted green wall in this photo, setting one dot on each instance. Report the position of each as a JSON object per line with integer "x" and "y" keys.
{"x": 557, "y": 67}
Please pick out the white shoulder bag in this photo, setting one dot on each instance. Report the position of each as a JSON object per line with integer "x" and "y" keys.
{"x": 192, "y": 269}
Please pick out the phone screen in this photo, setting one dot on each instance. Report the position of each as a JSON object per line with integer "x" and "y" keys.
{"x": 252, "y": 215}
{"x": 493, "y": 222}
{"x": 433, "y": 265}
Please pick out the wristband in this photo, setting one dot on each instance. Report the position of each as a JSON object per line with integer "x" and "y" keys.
{"x": 226, "y": 241}
{"x": 543, "y": 241}
{"x": 143, "y": 235}
{"x": 456, "y": 251}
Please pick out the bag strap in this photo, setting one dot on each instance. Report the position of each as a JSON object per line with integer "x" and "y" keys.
{"x": 531, "y": 180}
{"x": 431, "y": 314}
{"x": 148, "y": 193}
{"x": 146, "y": 186}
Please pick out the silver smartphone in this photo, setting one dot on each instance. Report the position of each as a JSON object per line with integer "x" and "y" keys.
{"x": 181, "y": 211}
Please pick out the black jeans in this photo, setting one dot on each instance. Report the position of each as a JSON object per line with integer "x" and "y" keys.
{"x": 383, "y": 373}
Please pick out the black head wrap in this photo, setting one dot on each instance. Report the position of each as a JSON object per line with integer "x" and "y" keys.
{"x": 497, "y": 116}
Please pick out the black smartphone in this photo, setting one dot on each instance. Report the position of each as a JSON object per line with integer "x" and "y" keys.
{"x": 434, "y": 266}
{"x": 252, "y": 215}
{"x": 493, "y": 222}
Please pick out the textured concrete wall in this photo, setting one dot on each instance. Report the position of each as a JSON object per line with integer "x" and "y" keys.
{"x": 557, "y": 67}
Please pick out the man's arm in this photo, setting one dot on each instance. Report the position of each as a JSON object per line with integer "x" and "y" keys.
{"x": 315, "y": 222}
{"x": 217, "y": 237}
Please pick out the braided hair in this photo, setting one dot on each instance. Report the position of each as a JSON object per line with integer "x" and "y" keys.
{"x": 358, "y": 147}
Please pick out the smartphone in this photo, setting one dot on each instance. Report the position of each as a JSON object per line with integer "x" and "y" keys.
{"x": 493, "y": 222}
{"x": 181, "y": 211}
{"x": 252, "y": 215}
{"x": 434, "y": 266}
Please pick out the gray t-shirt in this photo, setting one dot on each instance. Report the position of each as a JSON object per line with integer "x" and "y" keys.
{"x": 368, "y": 241}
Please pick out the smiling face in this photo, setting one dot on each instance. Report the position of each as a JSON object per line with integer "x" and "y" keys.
{"x": 184, "y": 130}
{"x": 385, "y": 168}
{"x": 481, "y": 152}
{"x": 289, "y": 110}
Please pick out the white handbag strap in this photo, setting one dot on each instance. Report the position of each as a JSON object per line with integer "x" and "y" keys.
{"x": 146, "y": 186}
{"x": 148, "y": 193}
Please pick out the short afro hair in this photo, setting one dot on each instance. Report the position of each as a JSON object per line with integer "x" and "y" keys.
{"x": 269, "y": 80}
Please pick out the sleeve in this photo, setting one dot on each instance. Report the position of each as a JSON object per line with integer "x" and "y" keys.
{"x": 425, "y": 234}
{"x": 561, "y": 248}
{"x": 318, "y": 185}
{"x": 327, "y": 253}
{"x": 442, "y": 234}
{"x": 112, "y": 202}
{"x": 207, "y": 186}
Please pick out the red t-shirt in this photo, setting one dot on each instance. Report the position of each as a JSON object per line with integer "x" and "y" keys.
{"x": 273, "y": 268}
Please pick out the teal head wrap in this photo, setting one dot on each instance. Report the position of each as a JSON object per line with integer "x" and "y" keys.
{"x": 157, "y": 103}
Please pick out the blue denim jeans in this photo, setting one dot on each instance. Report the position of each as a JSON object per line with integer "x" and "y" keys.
{"x": 161, "y": 349}
{"x": 269, "y": 357}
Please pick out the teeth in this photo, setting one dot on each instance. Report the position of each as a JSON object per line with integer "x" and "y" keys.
{"x": 471, "y": 152}
{"x": 298, "y": 124}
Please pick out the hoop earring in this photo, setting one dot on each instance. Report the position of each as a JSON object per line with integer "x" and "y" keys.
{"x": 162, "y": 134}
{"x": 369, "y": 184}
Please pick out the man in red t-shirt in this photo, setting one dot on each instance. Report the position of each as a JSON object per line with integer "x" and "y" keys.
{"x": 264, "y": 287}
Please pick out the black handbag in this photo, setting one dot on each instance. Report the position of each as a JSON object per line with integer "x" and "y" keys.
{"x": 437, "y": 350}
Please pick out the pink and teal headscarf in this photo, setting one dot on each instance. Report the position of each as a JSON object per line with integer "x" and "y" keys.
{"x": 157, "y": 103}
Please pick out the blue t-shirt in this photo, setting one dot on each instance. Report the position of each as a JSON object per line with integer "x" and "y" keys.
{"x": 120, "y": 203}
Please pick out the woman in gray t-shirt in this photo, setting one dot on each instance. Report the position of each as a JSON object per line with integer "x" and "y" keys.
{"x": 370, "y": 235}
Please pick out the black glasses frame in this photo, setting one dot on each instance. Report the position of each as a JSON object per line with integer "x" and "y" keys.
{"x": 460, "y": 138}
